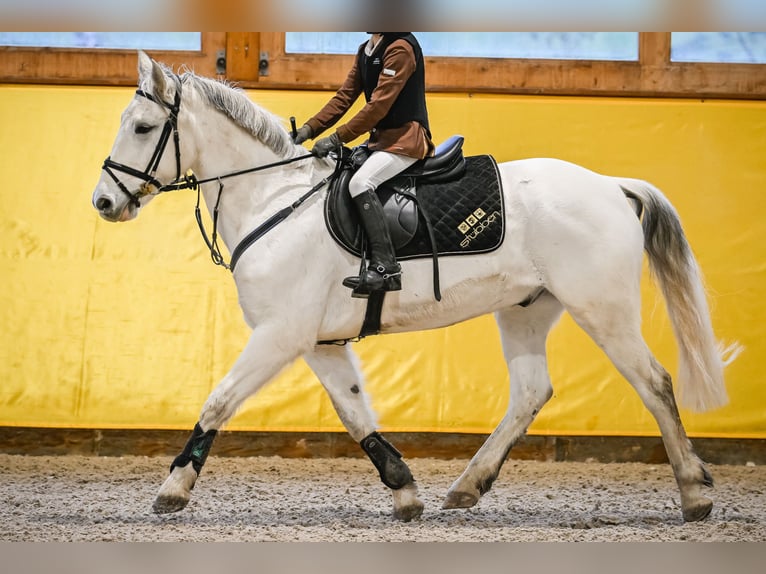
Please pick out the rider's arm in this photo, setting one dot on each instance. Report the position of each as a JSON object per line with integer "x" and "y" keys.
{"x": 398, "y": 66}
{"x": 339, "y": 104}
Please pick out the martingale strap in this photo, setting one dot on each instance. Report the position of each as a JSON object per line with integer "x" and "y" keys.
{"x": 274, "y": 220}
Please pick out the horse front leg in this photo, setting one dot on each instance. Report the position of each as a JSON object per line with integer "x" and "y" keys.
{"x": 260, "y": 360}
{"x": 338, "y": 370}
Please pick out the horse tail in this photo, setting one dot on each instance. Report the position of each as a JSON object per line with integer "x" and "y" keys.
{"x": 673, "y": 266}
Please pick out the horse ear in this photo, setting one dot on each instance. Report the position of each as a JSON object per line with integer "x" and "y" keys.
{"x": 144, "y": 66}
{"x": 159, "y": 80}
{"x": 152, "y": 77}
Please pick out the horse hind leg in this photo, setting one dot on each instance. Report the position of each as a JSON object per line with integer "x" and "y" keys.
{"x": 615, "y": 327}
{"x": 337, "y": 369}
{"x": 523, "y": 334}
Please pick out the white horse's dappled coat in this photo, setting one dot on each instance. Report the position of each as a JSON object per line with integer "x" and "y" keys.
{"x": 572, "y": 236}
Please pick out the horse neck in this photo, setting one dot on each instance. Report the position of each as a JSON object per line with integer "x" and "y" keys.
{"x": 249, "y": 199}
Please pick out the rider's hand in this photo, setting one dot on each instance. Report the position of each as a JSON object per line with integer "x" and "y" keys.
{"x": 324, "y": 146}
{"x": 303, "y": 134}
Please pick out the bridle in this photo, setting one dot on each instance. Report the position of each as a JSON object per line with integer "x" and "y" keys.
{"x": 190, "y": 181}
{"x": 147, "y": 175}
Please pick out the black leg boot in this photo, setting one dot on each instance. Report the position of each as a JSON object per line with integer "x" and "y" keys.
{"x": 383, "y": 272}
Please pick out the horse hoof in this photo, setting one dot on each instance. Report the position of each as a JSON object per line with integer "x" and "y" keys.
{"x": 459, "y": 500}
{"x": 409, "y": 512}
{"x": 168, "y": 504}
{"x": 698, "y": 511}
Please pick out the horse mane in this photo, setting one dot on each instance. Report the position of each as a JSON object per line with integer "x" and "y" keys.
{"x": 234, "y": 103}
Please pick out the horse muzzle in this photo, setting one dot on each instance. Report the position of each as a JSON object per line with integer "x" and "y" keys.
{"x": 112, "y": 207}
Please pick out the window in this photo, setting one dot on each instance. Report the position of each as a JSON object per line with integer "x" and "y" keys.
{"x": 106, "y": 58}
{"x": 166, "y": 41}
{"x": 540, "y": 45}
{"x": 721, "y": 47}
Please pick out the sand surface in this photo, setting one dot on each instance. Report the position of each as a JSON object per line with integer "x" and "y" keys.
{"x": 75, "y": 498}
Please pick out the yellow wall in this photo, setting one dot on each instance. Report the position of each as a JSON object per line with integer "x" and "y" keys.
{"x": 130, "y": 325}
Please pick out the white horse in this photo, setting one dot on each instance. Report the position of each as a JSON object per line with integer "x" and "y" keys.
{"x": 573, "y": 239}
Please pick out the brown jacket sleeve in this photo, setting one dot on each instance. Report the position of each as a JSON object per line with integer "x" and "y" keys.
{"x": 398, "y": 66}
{"x": 339, "y": 104}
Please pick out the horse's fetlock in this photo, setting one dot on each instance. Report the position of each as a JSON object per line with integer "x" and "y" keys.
{"x": 393, "y": 471}
{"x": 196, "y": 449}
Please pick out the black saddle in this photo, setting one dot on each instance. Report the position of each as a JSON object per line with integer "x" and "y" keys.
{"x": 401, "y": 211}
{"x": 447, "y": 204}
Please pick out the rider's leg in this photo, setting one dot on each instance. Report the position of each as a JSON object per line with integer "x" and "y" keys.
{"x": 383, "y": 272}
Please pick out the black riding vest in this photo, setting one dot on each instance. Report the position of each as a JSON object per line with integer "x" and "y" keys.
{"x": 411, "y": 103}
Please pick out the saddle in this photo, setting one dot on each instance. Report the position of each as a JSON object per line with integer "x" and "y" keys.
{"x": 443, "y": 205}
{"x": 400, "y": 210}
{"x": 447, "y": 204}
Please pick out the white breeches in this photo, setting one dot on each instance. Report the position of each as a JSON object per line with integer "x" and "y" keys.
{"x": 379, "y": 167}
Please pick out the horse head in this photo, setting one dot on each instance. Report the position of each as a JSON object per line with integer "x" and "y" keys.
{"x": 140, "y": 159}
{"x": 146, "y": 158}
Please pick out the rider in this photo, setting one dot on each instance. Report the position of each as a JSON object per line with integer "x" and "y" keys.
{"x": 389, "y": 69}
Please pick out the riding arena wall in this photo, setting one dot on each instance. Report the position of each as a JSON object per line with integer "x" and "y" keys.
{"x": 111, "y": 328}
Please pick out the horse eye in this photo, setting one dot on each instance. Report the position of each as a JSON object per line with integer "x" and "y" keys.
{"x": 143, "y": 128}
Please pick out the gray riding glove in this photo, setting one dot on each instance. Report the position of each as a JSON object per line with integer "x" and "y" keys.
{"x": 303, "y": 134}
{"x": 324, "y": 146}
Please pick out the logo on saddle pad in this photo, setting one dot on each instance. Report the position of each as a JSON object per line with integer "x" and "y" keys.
{"x": 475, "y": 224}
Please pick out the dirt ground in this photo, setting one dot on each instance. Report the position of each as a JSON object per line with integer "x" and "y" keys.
{"x": 76, "y": 498}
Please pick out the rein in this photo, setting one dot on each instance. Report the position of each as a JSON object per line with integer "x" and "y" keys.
{"x": 190, "y": 181}
{"x": 258, "y": 232}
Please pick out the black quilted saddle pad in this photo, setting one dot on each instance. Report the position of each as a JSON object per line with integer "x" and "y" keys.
{"x": 466, "y": 215}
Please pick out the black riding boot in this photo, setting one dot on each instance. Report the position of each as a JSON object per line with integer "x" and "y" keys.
{"x": 383, "y": 272}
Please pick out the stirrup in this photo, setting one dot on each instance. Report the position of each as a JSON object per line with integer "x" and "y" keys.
{"x": 372, "y": 280}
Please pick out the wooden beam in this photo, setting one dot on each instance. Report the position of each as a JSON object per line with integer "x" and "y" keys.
{"x": 653, "y": 75}
{"x": 113, "y": 442}
{"x": 242, "y": 56}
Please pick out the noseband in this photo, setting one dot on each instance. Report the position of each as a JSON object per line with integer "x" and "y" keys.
{"x": 170, "y": 127}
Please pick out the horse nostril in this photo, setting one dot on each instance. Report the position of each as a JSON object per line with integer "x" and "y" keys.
{"x": 103, "y": 203}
